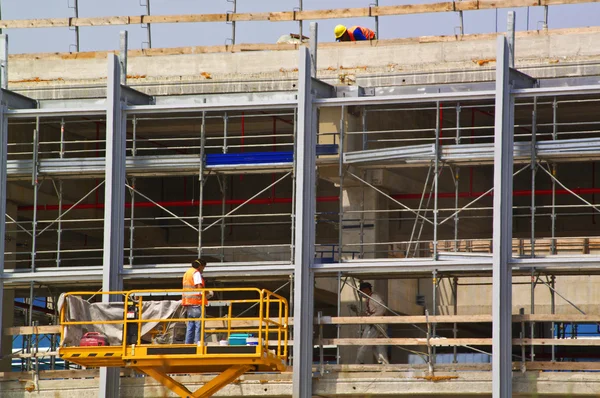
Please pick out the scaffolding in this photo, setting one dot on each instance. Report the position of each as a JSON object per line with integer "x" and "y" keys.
{"x": 182, "y": 160}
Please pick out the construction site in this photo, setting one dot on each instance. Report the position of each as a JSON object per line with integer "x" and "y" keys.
{"x": 450, "y": 182}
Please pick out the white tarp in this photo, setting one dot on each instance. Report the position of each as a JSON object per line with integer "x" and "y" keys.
{"x": 79, "y": 310}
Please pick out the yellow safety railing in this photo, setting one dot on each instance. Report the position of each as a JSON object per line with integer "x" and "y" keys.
{"x": 270, "y": 325}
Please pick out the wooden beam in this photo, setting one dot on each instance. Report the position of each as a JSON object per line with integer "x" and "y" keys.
{"x": 354, "y": 320}
{"x": 443, "y": 342}
{"x": 468, "y": 5}
{"x": 152, "y": 52}
{"x": 29, "y": 330}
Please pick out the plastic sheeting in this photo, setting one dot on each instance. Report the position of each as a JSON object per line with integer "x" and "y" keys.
{"x": 79, "y": 310}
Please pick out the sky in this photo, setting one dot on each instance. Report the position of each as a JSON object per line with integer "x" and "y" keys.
{"x": 203, "y": 34}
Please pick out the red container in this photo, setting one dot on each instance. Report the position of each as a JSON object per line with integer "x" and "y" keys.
{"x": 93, "y": 339}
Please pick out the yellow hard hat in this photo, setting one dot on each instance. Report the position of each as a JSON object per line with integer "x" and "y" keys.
{"x": 339, "y": 31}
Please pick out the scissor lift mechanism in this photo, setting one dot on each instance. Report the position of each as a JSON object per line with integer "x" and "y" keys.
{"x": 160, "y": 360}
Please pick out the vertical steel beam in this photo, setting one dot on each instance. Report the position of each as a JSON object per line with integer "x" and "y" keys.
{"x": 123, "y": 48}
{"x": 510, "y": 34}
{"x": 76, "y": 28}
{"x": 305, "y": 232}
{"x": 4, "y": 61}
{"x": 502, "y": 237}
{"x": 148, "y": 26}
{"x": 3, "y": 171}
{"x": 114, "y": 205}
{"x": 313, "y": 42}
{"x": 300, "y": 23}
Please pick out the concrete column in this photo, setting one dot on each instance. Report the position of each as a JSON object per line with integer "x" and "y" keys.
{"x": 8, "y": 299}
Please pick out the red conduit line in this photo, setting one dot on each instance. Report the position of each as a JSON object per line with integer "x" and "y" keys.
{"x": 266, "y": 201}
{"x": 176, "y": 203}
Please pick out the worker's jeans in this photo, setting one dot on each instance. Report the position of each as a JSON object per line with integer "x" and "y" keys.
{"x": 192, "y": 332}
{"x": 372, "y": 332}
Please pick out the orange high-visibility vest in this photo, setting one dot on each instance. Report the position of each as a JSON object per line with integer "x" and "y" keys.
{"x": 368, "y": 33}
{"x": 188, "y": 283}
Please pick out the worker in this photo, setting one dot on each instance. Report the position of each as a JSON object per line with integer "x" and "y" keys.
{"x": 355, "y": 33}
{"x": 193, "y": 302}
{"x": 375, "y": 306}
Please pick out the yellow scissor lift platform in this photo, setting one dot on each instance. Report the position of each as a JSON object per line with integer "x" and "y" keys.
{"x": 128, "y": 330}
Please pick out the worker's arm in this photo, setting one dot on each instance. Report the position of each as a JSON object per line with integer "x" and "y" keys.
{"x": 377, "y": 305}
{"x": 358, "y": 35}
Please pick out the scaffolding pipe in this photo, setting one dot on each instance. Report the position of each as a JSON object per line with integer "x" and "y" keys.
{"x": 201, "y": 182}
{"x": 533, "y": 173}
{"x": 341, "y": 176}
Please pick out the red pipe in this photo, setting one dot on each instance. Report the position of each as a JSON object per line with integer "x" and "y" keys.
{"x": 264, "y": 201}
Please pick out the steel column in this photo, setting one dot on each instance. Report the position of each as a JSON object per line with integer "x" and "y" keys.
{"x": 4, "y": 61}
{"x": 305, "y": 232}
{"x": 123, "y": 49}
{"x": 313, "y": 42}
{"x": 502, "y": 236}
{"x": 3, "y": 169}
{"x": 114, "y": 205}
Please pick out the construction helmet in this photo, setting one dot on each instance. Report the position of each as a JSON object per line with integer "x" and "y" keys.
{"x": 339, "y": 31}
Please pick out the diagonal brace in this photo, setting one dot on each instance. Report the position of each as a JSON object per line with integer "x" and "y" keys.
{"x": 220, "y": 381}
{"x": 167, "y": 381}
{"x": 207, "y": 390}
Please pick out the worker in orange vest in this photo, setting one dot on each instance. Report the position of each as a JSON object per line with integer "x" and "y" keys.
{"x": 355, "y": 33}
{"x": 193, "y": 302}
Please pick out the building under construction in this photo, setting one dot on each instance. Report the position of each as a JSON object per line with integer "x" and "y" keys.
{"x": 456, "y": 174}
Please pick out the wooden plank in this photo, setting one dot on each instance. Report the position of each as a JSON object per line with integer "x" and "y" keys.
{"x": 41, "y": 354}
{"x": 59, "y": 374}
{"x": 407, "y": 9}
{"x": 285, "y": 47}
{"x": 29, "y": 330}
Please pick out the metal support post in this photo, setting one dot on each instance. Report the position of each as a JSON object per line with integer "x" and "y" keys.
{"x": 532, "y": 325}
{"x": 4, "y": 61}
{"x": 114, "y": 205}
{"x": 134, "y": 123}
{"x": 36, "y": 186}
{"x": 305, "y": 232}
{"x": 553, "y": 311}
{"x": 231, "y": 21}
{"x": 147, "y": 27}
{"x": 201, "y": 182}
{"x": 502, "y": 235}
{"x": 341, "y": 194}
{"x": 59, "y": 222}
{"x": 313, "y": 44}
{"x": 545, "y": 26}
{"x": 533, "y": 172}
{"x": 223, "y": 180}
{"x": 339, "y": 313}
{"x": 376, "y": 4}
{"x": 455, "y": 325}
{"x": 123, "y": 48}
{"x": 553, "y": 214}
{"x": 3, "y": 173}
{"x": 75, "y": 8}
{"x": 435, "y": 181}
{"x": 131, "y": 221}
{"x": 300, "y": 27}
{"x": 510, "y": 35}
{"x": 434, "y": 313}
{"x": 456, "y": 179}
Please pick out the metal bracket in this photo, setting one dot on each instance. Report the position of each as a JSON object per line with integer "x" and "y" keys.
{"x": 134, "y": 97}
{"x": 322, "y": 89}
{"x": 354, "y": 91}
{"x": 521, "y": 80}
{"x": 18, "y": 101}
